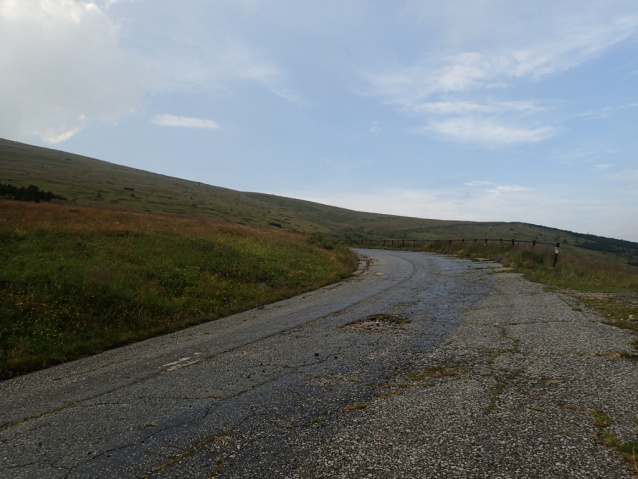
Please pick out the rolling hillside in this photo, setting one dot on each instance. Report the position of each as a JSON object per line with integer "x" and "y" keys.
{"x": 92, "y": 182}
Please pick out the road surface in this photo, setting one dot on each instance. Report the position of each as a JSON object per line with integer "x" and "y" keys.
{"x": 405, "y": 370}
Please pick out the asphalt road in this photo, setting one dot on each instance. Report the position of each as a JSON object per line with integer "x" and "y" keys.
{"x": 409, "y": 369}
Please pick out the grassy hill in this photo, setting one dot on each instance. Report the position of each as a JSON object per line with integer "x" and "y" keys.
{"x": 130, "y": 254}
{"x": 91, "y": 182}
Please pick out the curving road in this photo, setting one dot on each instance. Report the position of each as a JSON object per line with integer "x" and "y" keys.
{"x": 418, "y": 366}
{"x": 174, "y": 406}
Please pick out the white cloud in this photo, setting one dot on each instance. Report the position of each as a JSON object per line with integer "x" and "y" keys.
{"x": 547, "y": 39}
{"x": 63, "y": 69}
{"x": 478, "y": 183}
{"x": 466, "y": 107}
{"x": 485, "y": 131}
{"x": 606, "y": 112}
{"x": 185, "y": 122}
{"x": 499, "y": 190}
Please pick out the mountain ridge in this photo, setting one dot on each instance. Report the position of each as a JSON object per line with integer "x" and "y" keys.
{"x": 93, "y": 182}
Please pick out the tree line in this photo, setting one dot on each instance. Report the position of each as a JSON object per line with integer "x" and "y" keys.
{"x": 30, "y": 193}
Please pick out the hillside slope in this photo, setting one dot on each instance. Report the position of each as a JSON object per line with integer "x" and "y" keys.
{"x": 92, "y": 182}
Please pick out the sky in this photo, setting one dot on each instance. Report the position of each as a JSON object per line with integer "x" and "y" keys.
{"x": 480, "y": 110}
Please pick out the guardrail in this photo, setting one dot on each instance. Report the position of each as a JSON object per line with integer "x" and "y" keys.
{"x": 404, "y": 242}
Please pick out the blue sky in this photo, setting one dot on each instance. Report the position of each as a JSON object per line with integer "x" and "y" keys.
{"x": 485, "y": 110}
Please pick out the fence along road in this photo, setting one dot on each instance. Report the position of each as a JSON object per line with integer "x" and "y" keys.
{"x": 491, "y": 377}
{"x": 414, "y": 242}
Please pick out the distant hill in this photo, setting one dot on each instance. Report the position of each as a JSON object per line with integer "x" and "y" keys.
{"x": 92, "y": 182}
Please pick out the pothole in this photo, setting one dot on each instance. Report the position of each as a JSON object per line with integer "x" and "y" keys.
{"x": 377, "y": 322}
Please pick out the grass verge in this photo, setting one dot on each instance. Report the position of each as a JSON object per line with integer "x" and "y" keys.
{"x": 77, "y": 281}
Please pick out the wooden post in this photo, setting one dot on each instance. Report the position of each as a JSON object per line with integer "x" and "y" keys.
{"x": 556, "y": 251}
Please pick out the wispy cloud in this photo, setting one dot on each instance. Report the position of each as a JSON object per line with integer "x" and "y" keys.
{"x": 448, "y": 84}
{"x": 485, "y": 131}
{"x": 607, "y": 111}
{"x": 185, "y": 122}
{"x": 507, "y": 189}
{"x": 467, "y": 107}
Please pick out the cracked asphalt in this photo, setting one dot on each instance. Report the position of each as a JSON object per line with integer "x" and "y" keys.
{"x": 476, "y": 374}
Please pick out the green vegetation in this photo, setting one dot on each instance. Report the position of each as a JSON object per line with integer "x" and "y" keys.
{"x": 600, "y": 418}
{"x": 67, "y": 271}
{"x": 30, "y": 193}
{"x": 354, "y": 407}
{"x": 628, "y": 451}
{"x": 76, "y": 281}
{"x": 91, "y": 182}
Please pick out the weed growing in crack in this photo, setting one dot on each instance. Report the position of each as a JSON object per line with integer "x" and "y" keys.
{"x": 432, "y": 372}
{"x": 219, "y": 465}
{"x": 600, "y": 418}
{"x": 354, "y": 407}
{"x": 496, "y": 393}
{"x": 628, "y": 451}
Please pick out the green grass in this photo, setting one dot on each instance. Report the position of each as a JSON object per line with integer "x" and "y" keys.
{"x": 628, "y": 451}
{"x": 76, "y": 281}
{"x": 91, "y": 182}
{"x": 600, "y": 418}
{"x": 354, "y": 407}
{"x": 144, "y": 262}
{"x": 435, "y": 371}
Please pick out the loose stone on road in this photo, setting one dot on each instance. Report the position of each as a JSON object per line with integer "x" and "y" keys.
{"x": 420, "y": 366}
